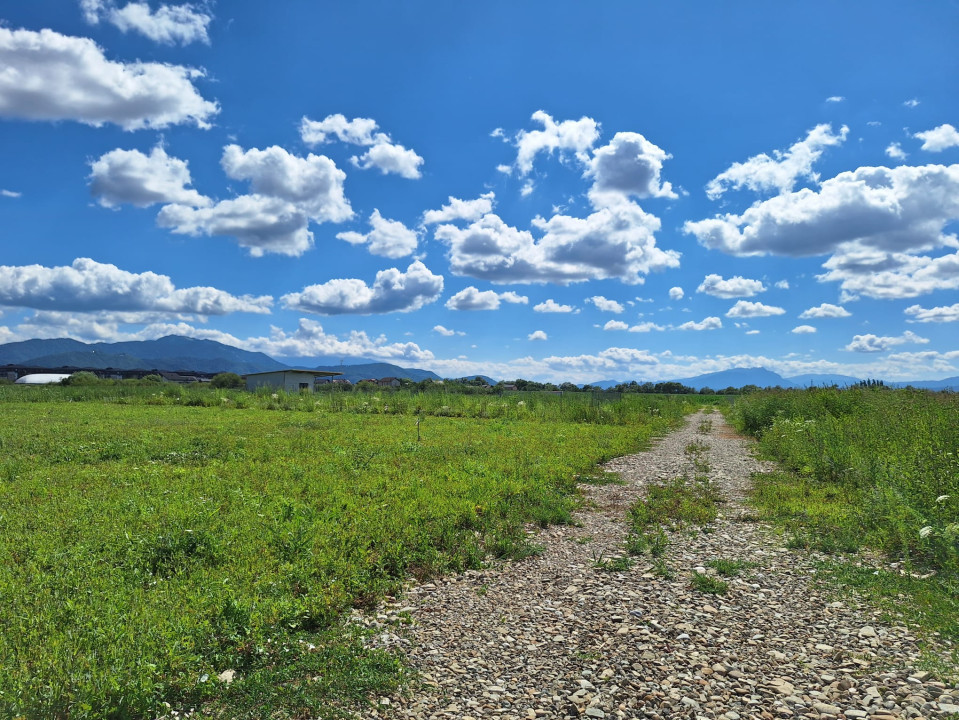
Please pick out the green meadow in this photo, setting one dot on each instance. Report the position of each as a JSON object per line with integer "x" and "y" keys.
{"x": 153, "y": 537}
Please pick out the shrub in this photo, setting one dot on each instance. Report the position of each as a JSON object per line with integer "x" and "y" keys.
{"x": 228, "y": 381}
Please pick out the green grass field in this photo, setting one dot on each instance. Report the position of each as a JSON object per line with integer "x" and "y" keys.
{"x": 153, "y": 538}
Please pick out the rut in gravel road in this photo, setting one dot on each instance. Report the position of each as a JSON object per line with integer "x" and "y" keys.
{"x": 556, "y": 637}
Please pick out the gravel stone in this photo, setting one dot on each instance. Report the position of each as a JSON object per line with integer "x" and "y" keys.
{"x": 554, "y": 636}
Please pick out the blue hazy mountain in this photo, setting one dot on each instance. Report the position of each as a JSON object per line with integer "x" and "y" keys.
{"x": 737, "y": 378}
{"x": 823, "y": 380}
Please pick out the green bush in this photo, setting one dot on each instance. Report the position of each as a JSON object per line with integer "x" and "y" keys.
{"x": 227, "y": 381}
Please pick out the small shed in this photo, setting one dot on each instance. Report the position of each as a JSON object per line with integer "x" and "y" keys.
{"x": 289, "y": 380}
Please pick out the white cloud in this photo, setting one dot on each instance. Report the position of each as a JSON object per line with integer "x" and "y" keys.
{"x": 646, "y": 327}
{"x": 942, "y": 314}
{"x": 886, "y": 209}
{"x": 613, "y": 242}
{"x": 259, "y": 223}
{"x": 710, "y": 323}
{"x": 314, "y": 184}
{"x": 388, "y": 238}
{"x": 803, "y": 330}
{"x": 88, "y": 286}
{"x": 762, "y": 173}
{"x": 310, "y": 339}
{"x": 895, "y": 151}
{"x": 383, "y": 154}
{"x": 456, "y": 209}
{"x": 752, "y": 332}
{"x": 49, "y": 76}
{"x": 640, "y": 328}
{"x": 392, "y": 291}
{"x": 872, "y": 343}
{"x": 528, "y": 187}
{"x": 891, "y": 276}
{"x": 10, "y": 194}
{"x": 473, "y": 299}
{"x": 676, "y": 293}
{"x": 744, "y": 308}
{"x": 169, "y": 25}
{"x": 129, "y": 176}
{"x": 569, "y": 136}
{"x": 390, "y": 158}
{"x": 734, "y": 287}
{"x": 835, "y": 99}
{"x": 783, "y": 284}
{"x": 551, "y": 306}
{"x": 537, "y": 335}
{"x": 911, "y": 103}
{"x": 288, "y": 193}
{"x": 605, "y": 304}
{"x": 825, "y": 311}
{"x": 629, "y": 165}
{"x": 938, "y": 139}
{"x": 446, "y": 332}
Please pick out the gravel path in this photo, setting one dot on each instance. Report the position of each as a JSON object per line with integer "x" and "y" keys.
{"x": 555, "y": 637}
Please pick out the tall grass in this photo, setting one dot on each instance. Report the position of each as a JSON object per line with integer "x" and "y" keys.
{"x": 153, "y": 538}
{"x": 868, "y": 466}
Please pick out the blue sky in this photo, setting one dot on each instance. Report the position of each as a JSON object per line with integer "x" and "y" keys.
{"x": 560, "y": 191}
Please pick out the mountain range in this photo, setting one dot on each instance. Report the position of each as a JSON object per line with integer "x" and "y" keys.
{"x": 177, "y": 353}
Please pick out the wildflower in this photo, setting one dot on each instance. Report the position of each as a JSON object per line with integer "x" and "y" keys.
{"x": 926, "y": 531}
{"x": 942, "y": 498}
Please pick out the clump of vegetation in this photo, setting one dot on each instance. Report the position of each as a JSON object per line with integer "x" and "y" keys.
{"x": 227, "y": 381}
{"x": 729, "y": 567}
{"x": 708, "y": 584}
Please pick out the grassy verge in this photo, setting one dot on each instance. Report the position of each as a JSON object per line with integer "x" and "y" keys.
{"x": 869, "y": 469}
{"x": 147, "y": 547}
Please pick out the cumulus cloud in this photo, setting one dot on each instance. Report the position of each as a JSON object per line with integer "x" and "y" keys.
{"x": 762, "y": 173}
{"x": 825, "y": 311}
{"x": 613, "y": 242}
{"x": 383, "y": 154}
{"x": 803, "y": 330}
{"x": 891, "y": 276}
{"x": 783, "y": 285}
{"x": 911, "y": 103}
{"x": 569, "y": 137}
{"x": 473, "y": 299}
{"x": 616, "y": 325}
{"x": 310, "y": 339}
{"x": 871, "y": 220}
{"x": 314, "y": 184}
{"x": 895, "y": 151}
{"x": 389, "y": 158}
{"x": 942, "y": 314}
{"x": 446, "y": 332}
{"x": 734, "y": 287}
{"x": 640, "y": 328}
{"x": 940, "y": 138}
{"x": 873, "y": 344}
{"x": 129, "y": 176}
{"x": 744, "y": 308}
{"x": 605, "y": 304}
{"x": 551, "y": 306}
{"x": 676, "y": 293}
{"x": 87, "y": 286}
{"x": 388, "y": 238}
{"x": 835, "y": 99}
{"x": 456, "y": 209}
{"x": 710, "y": 323}
{"x": 537, "y": 335}
{"x": 288, "y": 193}
{"x": 392, "y": 291}
{"x": 170, "y": 24}
{"x": 630, "y": 165}
{"x": 49, "y": 76}
{"x": 10, "y": 194}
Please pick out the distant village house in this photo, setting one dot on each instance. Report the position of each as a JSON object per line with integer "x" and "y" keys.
{"x": 288, "y": 380}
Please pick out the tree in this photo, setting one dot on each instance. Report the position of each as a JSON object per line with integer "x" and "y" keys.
{"x": 227, "y": 381}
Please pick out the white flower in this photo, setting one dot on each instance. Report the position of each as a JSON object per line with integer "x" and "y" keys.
{"x": 942, "y": 498}
{"x": 926, "y": 531}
